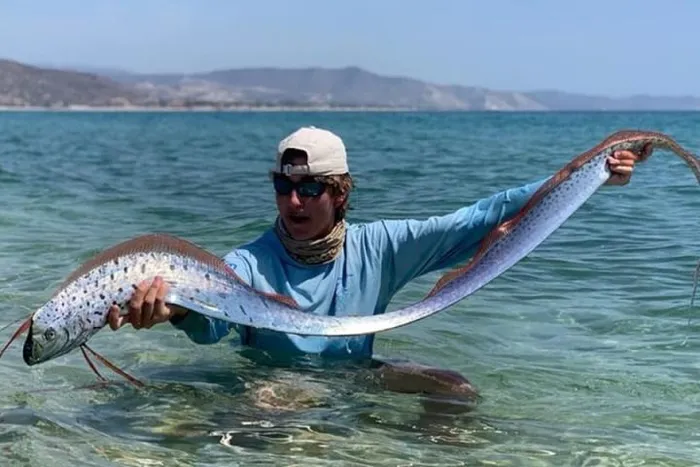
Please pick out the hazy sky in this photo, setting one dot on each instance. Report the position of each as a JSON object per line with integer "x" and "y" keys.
{"x": 612, "y": 47}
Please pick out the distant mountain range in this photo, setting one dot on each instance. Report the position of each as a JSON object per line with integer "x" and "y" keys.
{"x": 23, "y": 85}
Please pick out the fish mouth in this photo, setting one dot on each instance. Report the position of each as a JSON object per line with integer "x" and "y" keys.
{"x": 32, "y": 351}
{"x": 29, "y": 349}
{"x": 37, "y": 351}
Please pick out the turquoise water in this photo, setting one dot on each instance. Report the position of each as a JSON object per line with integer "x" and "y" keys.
{"x": 583, "y": 352}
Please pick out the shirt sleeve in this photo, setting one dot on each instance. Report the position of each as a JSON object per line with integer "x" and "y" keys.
{"x": 417, "y": 247}
{"x": 203, "y": 329}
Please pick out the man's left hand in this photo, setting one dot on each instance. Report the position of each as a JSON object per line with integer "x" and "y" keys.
{"x": 621, "y": 165}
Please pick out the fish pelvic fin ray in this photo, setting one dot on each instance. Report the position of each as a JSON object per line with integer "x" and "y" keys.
{"x": 26, "y": 324}
{"x": 109, "y": 365}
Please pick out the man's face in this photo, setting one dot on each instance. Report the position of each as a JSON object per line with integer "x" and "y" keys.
{"x": 306, "y": 217}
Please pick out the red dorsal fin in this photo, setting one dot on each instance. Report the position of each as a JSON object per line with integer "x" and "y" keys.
{"x": 159, "y": 242}
{"x": 494, "y": 235}
{"x": 287, "y": 300}
{"x": 150, "y": 243}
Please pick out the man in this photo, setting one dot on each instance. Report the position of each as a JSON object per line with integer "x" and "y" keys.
{"x": 329, "y": 267}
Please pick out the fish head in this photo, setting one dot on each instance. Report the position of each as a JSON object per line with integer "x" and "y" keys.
{"x": 50, "y": 335}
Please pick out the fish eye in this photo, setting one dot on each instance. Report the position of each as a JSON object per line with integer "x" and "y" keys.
{"x": 49, "y": 334}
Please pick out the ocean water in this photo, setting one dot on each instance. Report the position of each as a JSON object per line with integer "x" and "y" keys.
{"x": 586, "y": 353}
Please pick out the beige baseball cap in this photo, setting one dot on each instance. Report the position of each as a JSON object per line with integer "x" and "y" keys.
{"x": 325, "y": 153}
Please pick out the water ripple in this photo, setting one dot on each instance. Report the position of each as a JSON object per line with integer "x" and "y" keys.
{"x": 585, "y": 352}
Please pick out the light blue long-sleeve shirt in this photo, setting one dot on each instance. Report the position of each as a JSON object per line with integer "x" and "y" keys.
{"x": 378, "y": 258}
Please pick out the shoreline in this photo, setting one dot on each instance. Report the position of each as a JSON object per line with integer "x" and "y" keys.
{"x": 330, "y": 109}
{"x": 80, "y": 108}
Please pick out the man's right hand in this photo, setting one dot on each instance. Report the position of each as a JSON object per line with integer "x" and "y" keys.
{"x": 146, "y": 307}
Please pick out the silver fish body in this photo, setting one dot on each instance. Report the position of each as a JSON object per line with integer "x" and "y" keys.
{"x": 531, "y": 230}
{"x": 534, "y": 228}
{"x": 80, "y": 308}
{"x": 203, "y": 284}
{"x": 505, "y": 246}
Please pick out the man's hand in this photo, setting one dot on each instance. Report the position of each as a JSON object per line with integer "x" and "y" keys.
{"x": 621, "y": 165}
{"x": 146, "y": 307}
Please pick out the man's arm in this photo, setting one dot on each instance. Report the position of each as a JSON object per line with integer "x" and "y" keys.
{"x": 417, "y": 247}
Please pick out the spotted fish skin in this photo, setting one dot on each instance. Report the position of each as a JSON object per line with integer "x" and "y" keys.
{"x": 197, "y": 281}
{"x": 540, "y": 222}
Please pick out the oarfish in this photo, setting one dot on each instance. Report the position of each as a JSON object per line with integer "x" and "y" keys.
{"x": 203, "y": 283}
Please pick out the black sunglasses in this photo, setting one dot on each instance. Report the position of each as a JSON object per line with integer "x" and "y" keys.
{"x": 307, "y": 187}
